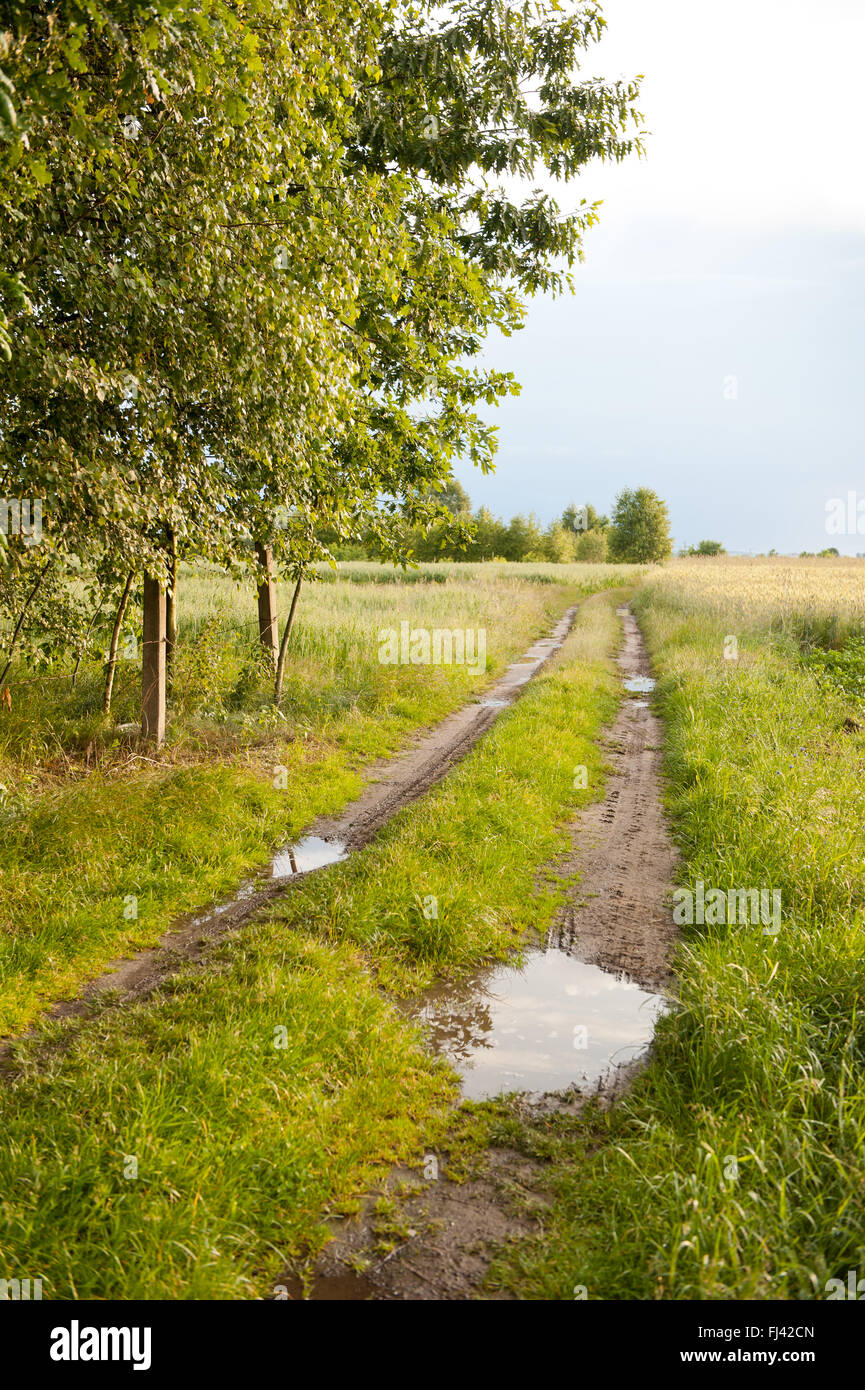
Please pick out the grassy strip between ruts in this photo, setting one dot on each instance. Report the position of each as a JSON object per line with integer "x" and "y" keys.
{"x": 101, "y": 864}
{"x": 186, "y": 1145}
{"x": 736, "y": 1166}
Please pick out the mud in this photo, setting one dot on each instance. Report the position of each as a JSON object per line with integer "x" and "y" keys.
{"x": 619, "y": 918}
{"x": 447, "y": 1230}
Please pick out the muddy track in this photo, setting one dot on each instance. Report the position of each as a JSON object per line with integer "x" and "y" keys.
{"x": 392, "y": 784}
{"x": 617, "y": 918}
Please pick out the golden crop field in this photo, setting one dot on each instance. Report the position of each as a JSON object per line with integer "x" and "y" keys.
{"x": 758, "y": 590}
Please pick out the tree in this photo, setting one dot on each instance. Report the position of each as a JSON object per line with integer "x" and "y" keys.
{"x": 704, "y": 548}
{"x": 592, "y": 547}
{"x": 462, "y": 106}
{"x": 582, "y": 519}
{"x": 640, "y": 529}
{"x": 560, "y": 544}
{"x": 488, "y": 539}
{"x": 183, "y": 275}
{"x": 454, "y": 497}
{"x": 524, "y": 539}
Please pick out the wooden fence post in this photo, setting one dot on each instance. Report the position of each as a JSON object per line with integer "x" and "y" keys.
{"x": 171, "y": 602}
{"x": 268, "y": 627}
{"x": 153, "y": 663}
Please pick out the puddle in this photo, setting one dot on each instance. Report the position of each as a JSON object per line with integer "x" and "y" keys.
{"x": 524, "y": 669}
{"x": 556, "y": 1023}
{"x": 310, "y": 853}
{"x": 494, "y": 704}
{"x": 640, "y": 684}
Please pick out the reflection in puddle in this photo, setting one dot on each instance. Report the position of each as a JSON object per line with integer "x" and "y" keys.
{"x": 641, "y": 684}
{"x": 310, "y": 853}
{"x": 526, "y": 670}
{"x": 557, "y": 1022}
{"x": 494, "y": 704}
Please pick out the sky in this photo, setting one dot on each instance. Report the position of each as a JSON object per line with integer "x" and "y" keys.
{"x": 713, "y": 350}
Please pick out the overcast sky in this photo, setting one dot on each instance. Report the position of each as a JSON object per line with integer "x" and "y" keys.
{"x": 714, "y": 348}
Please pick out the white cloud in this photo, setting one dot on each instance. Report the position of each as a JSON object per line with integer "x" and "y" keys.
{"x": 755, "y": 109}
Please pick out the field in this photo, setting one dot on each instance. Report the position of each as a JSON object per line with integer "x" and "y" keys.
{"x": 166, "y": 1146}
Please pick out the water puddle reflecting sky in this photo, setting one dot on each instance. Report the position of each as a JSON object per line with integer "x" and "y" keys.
{"x": 641, "y": 685}
{"x": 557, "y": 1022}
{"x": 310, "y": 853}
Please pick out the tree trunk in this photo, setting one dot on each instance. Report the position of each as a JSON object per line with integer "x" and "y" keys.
{"x": 280, "y": 665}
{"x": 153, "y": 663}
{"x": 171, "y": 603}
{"x": 111, "y": 663}
{"x": 268, "y": 626}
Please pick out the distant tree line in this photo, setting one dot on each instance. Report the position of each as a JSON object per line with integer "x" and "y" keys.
{"x": 463, "y": 534}
{"x": 638, "y": 533}
{"x": 703, "y": 548}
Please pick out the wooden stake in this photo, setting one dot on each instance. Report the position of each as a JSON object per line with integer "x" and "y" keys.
{"x": 153, "y": 663}
{"x": 111, "y": 664}
{"x": 171, "y": 603}
{"x": 283, "y": 648}
{"x": 268, "y": 627}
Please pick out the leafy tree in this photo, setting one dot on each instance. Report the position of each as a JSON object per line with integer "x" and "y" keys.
{"x": 488, "y": 537}
{"x": 582, "y": 519}
{"x": 705, "y": 548}
{"x": 524, "y": 539}
{"x": 640, "y": 529}
{"x": 454, "y": 497}
{"x": 186, "y": 285}
{"x": 464, "y": 106}
{"x": 591, "y": 547}
{"x": 560, "y": 544}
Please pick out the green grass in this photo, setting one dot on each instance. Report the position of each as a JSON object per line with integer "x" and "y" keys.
{"x": 844, "y": 669}
{"x": 736, "y": 1166}
{"x": 243, "y": 1147}
{"x": 82, "y": 839}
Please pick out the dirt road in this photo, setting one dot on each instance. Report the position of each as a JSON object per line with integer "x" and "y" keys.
{"x": 617, "y": 918}
{"x": 622, "y": 849}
